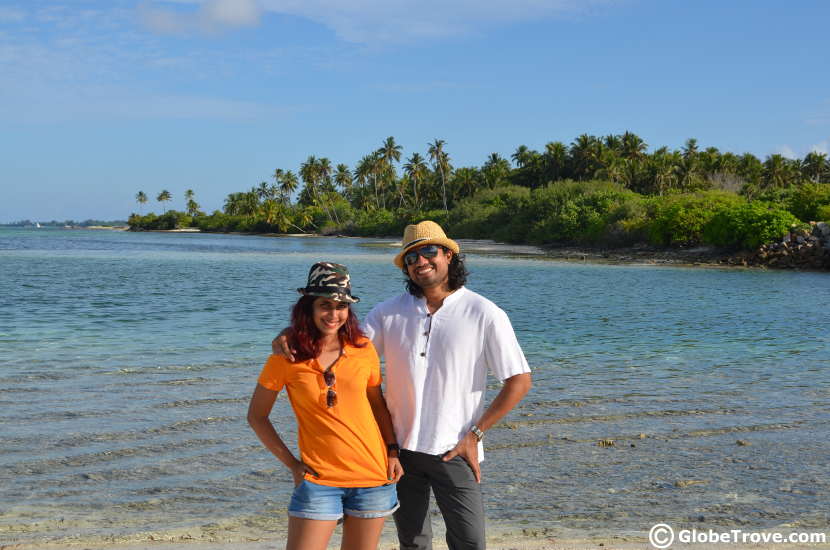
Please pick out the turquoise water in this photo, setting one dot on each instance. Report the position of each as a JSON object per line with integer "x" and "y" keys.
{"x": 127, "y": 360}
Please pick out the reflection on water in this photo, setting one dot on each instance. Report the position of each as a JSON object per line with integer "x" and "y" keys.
{"x": 126, "y": 363}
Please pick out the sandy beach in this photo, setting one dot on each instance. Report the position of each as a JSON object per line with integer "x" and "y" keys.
{"x": 507, "y": 541}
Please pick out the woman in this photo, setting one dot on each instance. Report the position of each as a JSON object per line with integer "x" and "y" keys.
{"x": 348, "y": 462}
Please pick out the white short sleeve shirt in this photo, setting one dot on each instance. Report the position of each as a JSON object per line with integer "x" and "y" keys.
{"x": 437, "y": 364}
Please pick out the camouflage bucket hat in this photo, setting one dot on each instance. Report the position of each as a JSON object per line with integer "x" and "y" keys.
{"x": 329, "y": 280}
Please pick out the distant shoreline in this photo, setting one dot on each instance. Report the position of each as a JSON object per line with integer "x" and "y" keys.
{"x": 705, "y": 257}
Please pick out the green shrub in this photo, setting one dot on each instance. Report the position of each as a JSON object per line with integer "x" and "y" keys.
{"x": 748, "y": 225}
{"x": 823, "y": 213}
{"x": 678, "y": 220}
{"x": 479, "y": 216}
{"x": 375, "y": 223}
{"x": 218, "y": 222}
{"x": 169, "y": 220}
{"x": 575, "y": 212}
{"x": 627, "y": 222}
{"x": 805, "y": 201}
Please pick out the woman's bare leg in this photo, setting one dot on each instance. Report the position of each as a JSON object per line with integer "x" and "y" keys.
{"x": 361, "y": 533}
{"x": 309, "y": 534}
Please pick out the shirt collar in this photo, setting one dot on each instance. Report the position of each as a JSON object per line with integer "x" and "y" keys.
{"x": 421, "y": 303}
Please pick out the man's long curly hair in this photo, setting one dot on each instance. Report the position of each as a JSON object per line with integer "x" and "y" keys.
{"x": 457, "y": 276}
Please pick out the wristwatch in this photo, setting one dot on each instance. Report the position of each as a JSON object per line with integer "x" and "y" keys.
{"x": 477, "y": 432}
{"x": 393, "y": 450}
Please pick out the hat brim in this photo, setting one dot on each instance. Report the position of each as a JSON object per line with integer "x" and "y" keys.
{"x": 337, "y": 296}
{"x": 443, "y": 241}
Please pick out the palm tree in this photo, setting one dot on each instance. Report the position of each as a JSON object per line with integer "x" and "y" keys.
{"x": 324, "y": 174}
{"x": 141, "y": 198}
{"x": 288, "y": 184}
{"x": 316, "y": 174}
{"x": 709, "y": 160}
{"x": 262, "y": 190}
{"x": 416, "y": 169}
{"x": 613, "y": 142}
{"x": 688, "y": 169}
{"x": 556, "y": 160}
{"x": 495, "y": 170}
{"x": 690, "y": 149}
{"x": 728, "y": 163}
{"x": 632, "y": 146}
{"x": 304, "y": 218}
{"x": 751, "y": 168}
{"x": 269, "y": 210}
{"x": 192, "y": 205}
{"x": 441, "y": 161}
{"x": 193, "y": 208}
{"x": 375, "y": 167}
{"x": 466, "y": 181}
{"x": 390, "y": 152}
{"x": 776, "y": 173}
{"x": 241, "y": 204}
{"x": 277, "y": 175}
{"x": 163, "y": 197}
{"x": 662, "y": 167}
{"x": 584, "y": 152}
{"x": 309, "y": 175}
{"x": 521, "y": 156}
{"x": 343, "y": 179}
{"x": 362, "y": 173}
{"x": 612, "y": 166}
{"x": 814, "y": 166}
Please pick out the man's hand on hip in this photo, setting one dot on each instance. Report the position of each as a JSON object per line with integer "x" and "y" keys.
{"x": 467, "y": 449}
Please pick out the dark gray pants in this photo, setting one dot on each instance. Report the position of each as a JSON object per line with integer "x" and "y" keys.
{"x": 458, "y": 496}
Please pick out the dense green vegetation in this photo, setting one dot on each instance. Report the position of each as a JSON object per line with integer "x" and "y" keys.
{"x": 596, "y": 191}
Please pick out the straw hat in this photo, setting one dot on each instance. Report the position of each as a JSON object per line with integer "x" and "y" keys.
{"x": 420, "y": 234}
{"x": 329, "y": 280}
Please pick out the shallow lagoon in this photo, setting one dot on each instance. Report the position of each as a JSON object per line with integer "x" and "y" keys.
{"x": 127, "y": 359}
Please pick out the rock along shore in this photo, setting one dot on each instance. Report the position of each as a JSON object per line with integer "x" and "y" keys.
{"x": 798, "y": 249}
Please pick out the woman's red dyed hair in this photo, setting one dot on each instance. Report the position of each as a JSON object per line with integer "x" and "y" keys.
{"x": 305, "y": 337}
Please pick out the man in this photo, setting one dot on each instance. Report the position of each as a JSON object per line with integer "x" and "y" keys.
{"x": 439, "y": 340}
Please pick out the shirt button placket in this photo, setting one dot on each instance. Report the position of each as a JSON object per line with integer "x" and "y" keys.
{"x": 426, "y": 336}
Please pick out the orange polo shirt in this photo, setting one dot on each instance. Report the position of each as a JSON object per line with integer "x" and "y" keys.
{"x": 342, "y": 443}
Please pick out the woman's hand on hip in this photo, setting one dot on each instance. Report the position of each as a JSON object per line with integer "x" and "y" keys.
{"x": 299, "y": 470}
{"x": 395, "y": 470}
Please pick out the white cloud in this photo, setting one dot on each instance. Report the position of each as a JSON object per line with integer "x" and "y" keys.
{"x": 787, "y": 151}
{"x": 376, "y": 21}
{"x": 369, "y": 21}
{"x": 234, "y": 13}
{"x": 211, "y": 16}
{"x": 822, "y": 147}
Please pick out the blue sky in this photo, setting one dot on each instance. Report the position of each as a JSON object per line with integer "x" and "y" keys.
{"x": 101, "y": 99}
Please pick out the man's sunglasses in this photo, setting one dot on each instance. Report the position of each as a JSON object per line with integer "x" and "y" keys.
{"x": 429, "y": 251}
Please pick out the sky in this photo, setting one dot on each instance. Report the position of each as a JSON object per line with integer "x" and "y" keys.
{"x": 102, "y": 99}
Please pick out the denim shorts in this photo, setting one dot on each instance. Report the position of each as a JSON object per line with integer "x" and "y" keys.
{"x": 314, "y": 501}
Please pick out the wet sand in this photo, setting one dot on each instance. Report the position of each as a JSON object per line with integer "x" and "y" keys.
{"x": 503, "y": 542}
